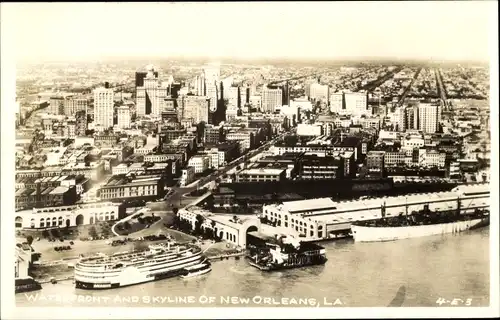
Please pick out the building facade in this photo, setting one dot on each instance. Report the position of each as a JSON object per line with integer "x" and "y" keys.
{"x": 123, "y": 117}
{"x": 271, "y": 98}
{"x": 103, "y": 108}
{"x": 62, "y": 216}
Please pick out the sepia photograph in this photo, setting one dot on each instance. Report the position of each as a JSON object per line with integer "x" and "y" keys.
{"x": 249, "y": 159}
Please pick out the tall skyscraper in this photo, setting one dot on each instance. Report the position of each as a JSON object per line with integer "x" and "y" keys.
{"x": 211, "y": 73}
{"x": 212, "y": 92}
{"x": 319, "y": 92}
{"x": 139, "y": 77}
{"x": 244, "y": 95}
{"x": 150, "y": 96}
{"x": 123, "y": 117}
{"x": 411, "y": 118}
{"x": 429, "y": 117}
{"x": 271, "y": 98}
{"x": 103, "y": 108}
{"x": 199, "y": 85}
{"x": 233, "y": 97}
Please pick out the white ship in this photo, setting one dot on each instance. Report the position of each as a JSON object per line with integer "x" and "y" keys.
{"x": 197, "y": 270}
{"x": 372, "y": 233}
{"x": 128, "y": 268}
{"x": 418, "y": 224}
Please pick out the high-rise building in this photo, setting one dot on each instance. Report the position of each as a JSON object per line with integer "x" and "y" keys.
{"x": 56, "y": 105}
{"x": 429, "y": 117}
{"x": 139, "y": 77}
{"x": 211, "y": 73}
{"x": 123, "y": 117}
{"x": 319, "y": 92}
{"x": 81, "y": 123}
{"x": 150, "y": 96}
{"x": 356, "y": 103}
{"x": 244, "y": 95}
{"x": 199, "y": 85}
{"x": 271, "y": 98}
{"x": 74, "y": 104}
{"x": 411, "y": 118}
{"x": 196, "y": 108}
{"x": 212, "y": 92}
{"x": 103, "y": 108}
{"x": 337, "y": 102}
{"x": 256, "y": 101}
{"x": 233, "y": 97}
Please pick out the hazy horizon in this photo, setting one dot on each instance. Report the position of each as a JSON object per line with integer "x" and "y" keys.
{"x": 319, "y": 31}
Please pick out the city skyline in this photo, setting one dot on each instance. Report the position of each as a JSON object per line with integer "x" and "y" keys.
{"x": 260, "y": 30}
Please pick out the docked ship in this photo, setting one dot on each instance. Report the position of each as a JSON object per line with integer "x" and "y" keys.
{"x": 419, "y": 224}
{"x": 286, "y": 255}
{"x": 159, "y": 261}
{"x": 197, "y": 270}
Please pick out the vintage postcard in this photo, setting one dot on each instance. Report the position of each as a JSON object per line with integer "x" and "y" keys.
{"x": 249, "y": 160}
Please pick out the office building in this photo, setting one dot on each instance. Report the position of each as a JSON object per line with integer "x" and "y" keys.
{"x": 199, "y": 85}
{"x": 74, "y": 104}
{"x": 255, "y": 101}
{"x": 103, "y": 108}
{"x": 211, "y": 73}
{"x": 261, "y": 174}
{"x": 151, "y": 96}
{"x": 319, "y": 92}
{"x": 123, "y": 117}
{"x": 200, "y": 163}
{"x": 429, "y": 117}
{"x": 121, "y": 187}
{"x": 56, "y": 105}
{"x": 195, "y": 108}
{"x": 271, "y": 98}
{"x": 337, "y": 103}
{"x": 187, "y": 176}
{"x": 356, "y": 103}
{"x": 232, "y": 94}
{"x": 139, "y": 77}
{"x": 214, "y": 135}
{"x": 375, "y": 161}
{"x": 213, "y": 94}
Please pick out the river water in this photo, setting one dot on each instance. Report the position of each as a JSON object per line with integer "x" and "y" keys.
{"x": 408, "y": 273}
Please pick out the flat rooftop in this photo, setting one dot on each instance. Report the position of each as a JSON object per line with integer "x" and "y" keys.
{"x": 262, "y": 171}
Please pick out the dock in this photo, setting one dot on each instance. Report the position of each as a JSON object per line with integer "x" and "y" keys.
{"x": 226, "y": 256}
{"x": 56, "y": 280}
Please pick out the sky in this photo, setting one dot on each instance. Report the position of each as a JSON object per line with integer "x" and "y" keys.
{"x": 407, "y": 30}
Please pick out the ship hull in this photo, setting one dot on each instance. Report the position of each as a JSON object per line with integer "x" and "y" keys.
{"x": 378, "y": 234}
{"x": 105, "y": 286}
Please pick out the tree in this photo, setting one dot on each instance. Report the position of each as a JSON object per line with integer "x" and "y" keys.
{"x": 93, "y": 232}
{"x": 45, "y": 233}
{"x": 199, "y": 221}
{"x": 29, "y": 239}
{"x": 55, "y": 233}
{"x": 126, "y": 225}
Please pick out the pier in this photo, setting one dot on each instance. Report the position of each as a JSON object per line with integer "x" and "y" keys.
{"x": 223, "y": 256}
